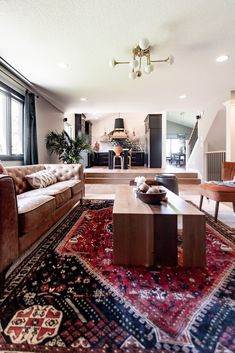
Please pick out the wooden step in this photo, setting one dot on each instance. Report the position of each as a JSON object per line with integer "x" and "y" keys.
{"x": 132, "y": 175}
{"x": 189, "y": 181}
{"x": 127, "y": 180}
{"x": 120, "y": 176}
{"x": 108, "y": 181}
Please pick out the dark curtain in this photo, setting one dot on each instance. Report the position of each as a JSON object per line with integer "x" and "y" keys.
{"x": 30, "y": 130}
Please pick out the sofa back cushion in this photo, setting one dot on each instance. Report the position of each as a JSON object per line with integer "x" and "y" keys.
{"x": 18, "y": 174}
{"x": 66, "y": 171}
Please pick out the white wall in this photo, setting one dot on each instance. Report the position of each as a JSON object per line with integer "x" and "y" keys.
{"x": 48, "y": 118}
{"x": 216, "y": 138}
{"x": 197, "y": 159}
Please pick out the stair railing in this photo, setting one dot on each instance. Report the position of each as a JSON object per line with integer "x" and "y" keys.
{"x": 193, "y": 139}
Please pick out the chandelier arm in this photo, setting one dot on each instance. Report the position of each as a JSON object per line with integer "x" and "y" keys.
{"x": 122, "y": 62}
{"x": 140, "y": 63}
{"x": 160, "y": 61}
{"x": 148, "y": 58}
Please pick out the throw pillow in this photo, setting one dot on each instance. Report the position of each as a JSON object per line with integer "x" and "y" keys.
{"x": 3, "y": 169}
{"x": 41, "y": 179}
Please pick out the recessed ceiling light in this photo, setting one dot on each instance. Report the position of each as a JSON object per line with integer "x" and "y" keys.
{"x": 63, "y": 65}
{"x": 222, "y": 58}
{"x": 182, "y": 96}
{"x": 83, "y": 99}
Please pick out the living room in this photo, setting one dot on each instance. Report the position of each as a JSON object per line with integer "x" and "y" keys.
{"x": 68, "y": 280}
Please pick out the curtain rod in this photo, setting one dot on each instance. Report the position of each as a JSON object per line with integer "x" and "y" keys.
{"x": 21, "y": 79}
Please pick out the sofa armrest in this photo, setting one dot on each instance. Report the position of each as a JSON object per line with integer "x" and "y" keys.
{"x": 9, "y": 242}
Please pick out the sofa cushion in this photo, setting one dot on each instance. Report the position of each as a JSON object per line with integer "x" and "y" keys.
{"x": 61, "y": 193}
{"x": 41, "y": 179}
{"x": 34, "y": 210}
{"x": 76, "y": 186}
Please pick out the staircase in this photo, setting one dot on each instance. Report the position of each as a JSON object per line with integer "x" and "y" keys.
{"x": 123, "y": 177}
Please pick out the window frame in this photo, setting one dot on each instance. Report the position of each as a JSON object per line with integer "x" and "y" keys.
{"x": 10, "y": 94}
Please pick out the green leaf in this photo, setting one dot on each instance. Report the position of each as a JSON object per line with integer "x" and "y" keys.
{"x": 68, "y": 149}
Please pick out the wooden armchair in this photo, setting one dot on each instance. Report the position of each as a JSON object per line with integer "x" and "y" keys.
{"x": 220, "y": 193}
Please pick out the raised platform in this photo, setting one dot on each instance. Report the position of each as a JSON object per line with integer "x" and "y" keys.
{"x": 103, "y": 175}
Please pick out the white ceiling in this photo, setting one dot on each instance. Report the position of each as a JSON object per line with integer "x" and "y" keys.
{"x": 35, "y": 35}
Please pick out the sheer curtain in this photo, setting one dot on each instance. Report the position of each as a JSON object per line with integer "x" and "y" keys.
{"x": 30, "y": 130}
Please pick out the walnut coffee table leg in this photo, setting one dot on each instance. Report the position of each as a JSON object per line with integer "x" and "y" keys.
{"x": 133, "y": 239}
{"x": 165, "y": 240}
{"x": 194, "y": 241}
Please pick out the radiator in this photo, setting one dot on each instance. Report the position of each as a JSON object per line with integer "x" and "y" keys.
{"x": 214, "y": 165}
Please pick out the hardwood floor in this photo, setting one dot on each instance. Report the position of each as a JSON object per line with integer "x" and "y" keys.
{"x": 187, "y": 191}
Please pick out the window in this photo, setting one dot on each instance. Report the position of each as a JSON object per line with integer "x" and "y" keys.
{"x": 11, "y": 123}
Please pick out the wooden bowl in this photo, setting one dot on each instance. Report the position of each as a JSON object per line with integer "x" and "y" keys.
{"x": 152, "y": 199}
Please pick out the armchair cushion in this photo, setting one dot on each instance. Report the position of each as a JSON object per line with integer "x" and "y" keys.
{"x": 220, "y": 191}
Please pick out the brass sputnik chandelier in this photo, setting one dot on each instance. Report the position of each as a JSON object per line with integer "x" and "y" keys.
{"x": 141, "y": 51}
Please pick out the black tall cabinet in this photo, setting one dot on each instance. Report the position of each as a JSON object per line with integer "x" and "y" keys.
{"x": 83, "y": 126}
{"x": 153, "y": 141}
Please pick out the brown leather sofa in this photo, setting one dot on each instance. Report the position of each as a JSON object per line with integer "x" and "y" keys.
{"x": 26, "y": 213}
{"x": 220, "y": 193}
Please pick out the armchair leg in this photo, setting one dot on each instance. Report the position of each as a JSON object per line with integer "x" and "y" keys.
{"x": 216, "y": 210}
{"x": 201, "y": 200}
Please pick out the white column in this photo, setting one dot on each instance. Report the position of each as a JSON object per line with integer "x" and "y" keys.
{"x": 230, "y": 128}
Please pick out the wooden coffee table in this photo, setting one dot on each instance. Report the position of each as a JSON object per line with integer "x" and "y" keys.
{"x": 147, "y": 234}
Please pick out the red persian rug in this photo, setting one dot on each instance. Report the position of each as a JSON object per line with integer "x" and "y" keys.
{"x": 66, "y": 295}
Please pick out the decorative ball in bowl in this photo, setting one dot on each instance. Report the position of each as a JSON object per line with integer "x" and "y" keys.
{"x": 153, "y": 195}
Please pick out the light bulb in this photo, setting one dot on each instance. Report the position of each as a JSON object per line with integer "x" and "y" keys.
{"x": 148, "y": 68}
{"x": 132, "y": 75}
{"x": 134, "y": 63}
{"x": 112, "y": 63}
{"x": 144, "y": 44}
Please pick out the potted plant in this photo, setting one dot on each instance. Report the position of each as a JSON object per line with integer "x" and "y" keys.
{"x": 68, "y": 149}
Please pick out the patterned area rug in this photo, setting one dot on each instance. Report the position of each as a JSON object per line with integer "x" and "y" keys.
{"x": 227, "y": 232}
{"x": 67, "y": 296}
